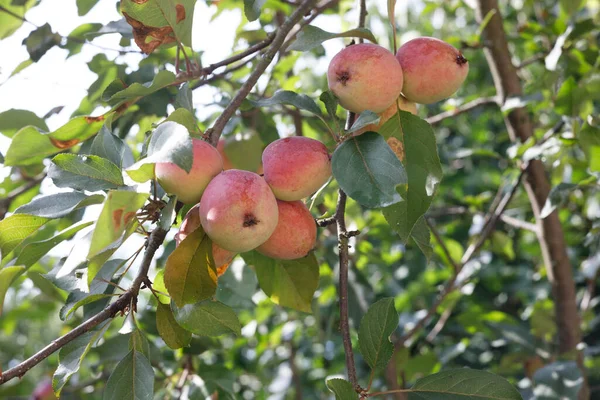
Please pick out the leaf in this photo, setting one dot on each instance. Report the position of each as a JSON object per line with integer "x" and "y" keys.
{"x": 207, "y": 318}
{"x": 558, "y": 196}
{"x": 40, "y": 41}
{"x": 368, "y": 170}
{"x": 246, "y": 153}
{"x": 589, "y": 141}
{"x": 289, "y": 283}
{"x": 169, "y": 330}
{"x": 116, "y": 222}
{"x": 32, "y": 252}
{"x": 311, "y": 37}
{"x": 159, "y": 22}
{"x": 364, "y": 119}
{"x": 70, "y": 357}
{"x": 422, "y": 237}
{"x": 467, "y": 384}
{"x": 342, "y": 389}
{"x": 112, "y": 148}
{"x": 30, "y": 146}
{"x": 159, "y": 285}
{"x": 7, "y": 277}
{"x": 184, "y": 117}
{"x": 170, "y": 142}
{"x": 557, "y": 381}
{"x": 11, "y": 121}
{"x": 58, "y": 205}
{"x": 132, "y": 378}
{"x": 16, "y": 228}
{"x": 190, "y": 272}
{"x": 570, "y": 7}
{"x": 22, "y": 65}
{"x": 8, "y": 22}
{"x": 184, "y": 98}
{"x": 423, "y": 169}
{"x": 84, "y": 6}
{"x": 300, "y": 101}
{"x": 161, "y": 80}
{"x": 138, "y": 341}
{"x": 84, "y": 172}
{"x": 252, "y": 9}
{"x": 568, "y": 98}
{"x": 376, "y": 327}
{"x": 331, "y": 103}
{"x": 78, "y": 36}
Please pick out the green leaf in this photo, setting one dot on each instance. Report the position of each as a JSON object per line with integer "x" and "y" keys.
{"x": 207, "y": 318}
{"x": 570, "y": 7}
{"x": 85, "y": 172}
{"x": 246, "y": 153}
{"x": 40, "y": 41}
{"x": 311, "y": 37}
{"x": 169, "y": 330}
{"x": 300, "y": 101}
{"x": 7, "y": 277}
{"x": 97, "y": 289}
{"x": 252, "y": 9}
{"x": 502, "y": 244}
{"x": 567, "y": 98}
{"x": 112, "y": 148}
{"x": 557, "y": 381}
{"x": 59, "y": 204}
{"x": 422, "y": 237}
{"x": 342, "y": 389}
{"x": 374, "y": 333}
{"x": 558, "y": 196}
{"x": 170, "y": 142}
{"x": 70, "y": 357}
{"x": 135, "y": 90}
{"x": 79, "y": 35}
{"x": 190, "y": 272}
{"x": 30, "y": 146}
{"x": 139, "y": 343}
{"x": 132, "y": 378}
{"x": 159, "y": 285}
{"x": 368, "y": 170}
{"x": 117, "y": 221}
{"x": 289, "y": 283}
{"x": 186, "y": 118}
{"x": 365, "y": 118}
{"x": 331, "y": 103}
{"x": 22, "y": 65}
{"x": 84, "y": 6}
{"x": 8, "y": 23}
{"x": 184, "y": 98}
{"x": 32, "y": 252}
{"x": 589, "y": 141}
{"x": 16, "y": 228}
{"x": 423, "y": 169}
{"x": 467, "y": 384}
{"x": 11, "y": 121}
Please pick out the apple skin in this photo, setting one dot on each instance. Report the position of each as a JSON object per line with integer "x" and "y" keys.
{"x": 43, "y": 391}
{"x": 296, "y": 167}
{"x": 190, "y": 223}
{"x": 365, "y": 77}
{"x": 295, "y": 235}
{"x": 188, "y": 187}
{"x": 238, "y": 210}
{"x": 433, "y": 69}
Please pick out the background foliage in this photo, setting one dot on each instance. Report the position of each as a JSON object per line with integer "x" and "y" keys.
{"x": 501, "y": 316}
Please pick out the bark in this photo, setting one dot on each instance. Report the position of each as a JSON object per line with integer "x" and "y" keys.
{"x": 537, "y": 184}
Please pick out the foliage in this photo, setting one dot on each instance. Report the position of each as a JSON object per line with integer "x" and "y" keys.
{"x": 425, "y": 319}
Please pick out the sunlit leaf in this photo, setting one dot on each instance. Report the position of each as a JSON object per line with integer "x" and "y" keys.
{"x": 311, "y": 37}
{"x": 207, "y": 318}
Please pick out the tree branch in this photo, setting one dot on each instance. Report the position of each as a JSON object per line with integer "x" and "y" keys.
{"x": 344, "y": 261}
{"x": 214, "y": 133}
{"x": 123, "y": 301}
{"x": 482, "y": 101}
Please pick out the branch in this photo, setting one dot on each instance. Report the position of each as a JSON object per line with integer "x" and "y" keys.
{"x": 482, "y": 101}
{"x": 30, "y": 184}
{"x": 318, "y": 10}
{"x": 343, "y": 237}
{"x": 154, "y": 241}
{"x": 214, "y": 133}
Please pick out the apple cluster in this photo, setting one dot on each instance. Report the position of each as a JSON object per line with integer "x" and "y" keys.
{"x": 241, "y": 210}
{"x": 369, "y": 77}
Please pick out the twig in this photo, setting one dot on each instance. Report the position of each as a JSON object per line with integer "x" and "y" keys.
{"x": 442, "y": 244}
{"x": 75, "y": 39}
{"x": 30, "y": 184}
{"x": 344, "y": 261}
{"x": 214, "y": 133}
{"x": 482, "y": 101}
{"x": 154, "y": 242}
